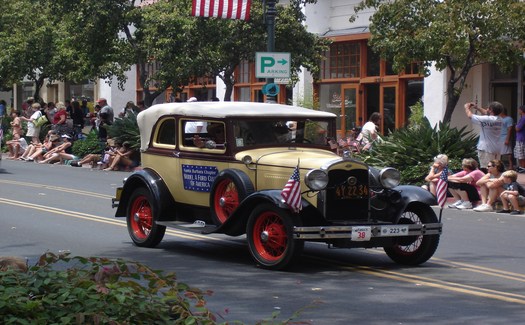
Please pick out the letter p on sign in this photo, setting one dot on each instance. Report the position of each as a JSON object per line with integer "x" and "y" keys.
{"x": 266, "y": 62}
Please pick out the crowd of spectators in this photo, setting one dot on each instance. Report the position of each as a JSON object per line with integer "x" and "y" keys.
{"x": 66, "y": 123}
{"x": 483, "y": 183}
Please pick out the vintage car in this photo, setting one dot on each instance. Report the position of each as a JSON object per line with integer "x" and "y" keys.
{"x": 269, "y": 172}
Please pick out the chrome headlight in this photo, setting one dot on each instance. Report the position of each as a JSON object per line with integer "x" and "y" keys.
{"x": 389, "y": 177}
{"x": 316, "y": 179}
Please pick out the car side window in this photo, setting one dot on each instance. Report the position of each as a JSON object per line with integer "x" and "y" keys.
{"x": 166, "y": 133}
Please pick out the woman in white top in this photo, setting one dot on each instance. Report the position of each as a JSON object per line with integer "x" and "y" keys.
{"x": 369, "y": 132}
{"x": 32, "y": 130}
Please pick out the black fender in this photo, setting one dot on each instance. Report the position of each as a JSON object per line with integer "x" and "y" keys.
{"x": 163, "y": 202}
{"x": 236, "y": 223}
{"x": 411, "y": 194}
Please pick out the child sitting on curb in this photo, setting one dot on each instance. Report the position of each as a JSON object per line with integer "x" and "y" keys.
{"x": 440, "y": 162}
{"x": 513, "y": 193}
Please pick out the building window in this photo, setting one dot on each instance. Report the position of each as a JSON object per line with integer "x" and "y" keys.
{"x": 330, "y": 100}
{"x": 372, "y": 63}
{"x": 343, "y": 61}
{"x": 82, "y": 90}
{"x": 243, "y": 94}
{"x": 243, "y": 72}
{"x": 413, "y": 68}
{"x": 498, "y": 74}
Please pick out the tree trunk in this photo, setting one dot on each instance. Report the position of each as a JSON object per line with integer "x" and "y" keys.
{"x": 147, "y": 95}
{"x": 452, "y": 101}
{"x": 229, "y": 81}
{"x": 38, "y": 85}
{"x": 228, "y": 93}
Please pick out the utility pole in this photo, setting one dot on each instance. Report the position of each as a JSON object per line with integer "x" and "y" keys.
{"x": 270, "y": 14}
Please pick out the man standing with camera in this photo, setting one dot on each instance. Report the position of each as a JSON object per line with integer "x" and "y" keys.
{"x": 490, "y": 129}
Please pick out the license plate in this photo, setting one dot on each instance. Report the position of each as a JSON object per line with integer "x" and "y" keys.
{"x": 351, "y": 191}
{"x": 361, "y": 233}
{"x": 394, "y": 230}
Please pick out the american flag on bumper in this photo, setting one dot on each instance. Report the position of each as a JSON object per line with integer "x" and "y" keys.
{"x": 230, "y": 9}
{"x": 291, "y": 192}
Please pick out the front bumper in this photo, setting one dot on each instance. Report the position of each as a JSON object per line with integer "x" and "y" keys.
{"x": 364, "y": 233}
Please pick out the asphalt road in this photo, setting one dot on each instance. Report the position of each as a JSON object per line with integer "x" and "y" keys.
{"x": 476, "y": 277}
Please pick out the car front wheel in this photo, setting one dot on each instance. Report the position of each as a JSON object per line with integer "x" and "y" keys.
{"x": 270, "y": 237}
{"x": 142, "y": 227}
{"x": 414, "y": 250}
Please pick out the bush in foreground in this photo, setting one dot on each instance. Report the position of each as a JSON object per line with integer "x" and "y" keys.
{"x": 76, "y": 290}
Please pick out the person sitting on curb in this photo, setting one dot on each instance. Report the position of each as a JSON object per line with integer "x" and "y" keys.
{"x": 491, "y": 186}
{"x": 67, "y": 152}
{"x": 38, "y": 150}
{"x": 440, "y": 162}
{"x": 91, "y": 158}
{"x": 17, "y": 146}
{"x": 462, "y": 185}
{"x": 513, "y": 193}
{"x": 122, "y": 158}
{"x": 52, "y": 156}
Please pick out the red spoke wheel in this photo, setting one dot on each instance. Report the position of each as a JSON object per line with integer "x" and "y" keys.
{"x": 229, "y": 188}
{"x": 414, "y": 250}
{"x": 142, "y": 227}
{"x": 270, "y": 237}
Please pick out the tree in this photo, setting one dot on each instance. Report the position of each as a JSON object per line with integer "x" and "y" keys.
{"x": 84, "y": 39}
{"x": 455, "y": 35}
{"x": 26, "y": 43}
{"x": 166, "y": 37}
{"x": 227, "y": 43}
{"x": 61, "y": 40}
{"x": 93, "y": 37}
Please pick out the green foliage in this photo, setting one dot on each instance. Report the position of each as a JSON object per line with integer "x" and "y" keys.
{"x": 452, "y": 35}
{"x": 126, "y": 129}
{"x": 417, "y": 115}
{"x": 90, "y": 144}
{"x": 61, "y": 289}
{"x": 412, "y": 149}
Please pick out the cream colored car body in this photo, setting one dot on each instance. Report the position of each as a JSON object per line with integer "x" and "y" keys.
{"x": 275, "y": 164}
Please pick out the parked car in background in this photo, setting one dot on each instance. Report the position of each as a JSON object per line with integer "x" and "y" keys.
{"x": 269, "y": 172}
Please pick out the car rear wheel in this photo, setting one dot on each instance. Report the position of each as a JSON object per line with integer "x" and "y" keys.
{"x": 141, "y": 218}
{"x": 414, "y": 250}
{"x": 230, "y": 187}
{"x": 270, "y": 237}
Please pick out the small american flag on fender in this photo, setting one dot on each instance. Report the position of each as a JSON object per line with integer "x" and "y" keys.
{"x": 291, "y": 192}
{"x": 441, "y": 188}
{"x": 230, "y": 9}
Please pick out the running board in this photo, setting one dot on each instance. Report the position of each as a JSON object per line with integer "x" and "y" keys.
{"x": 197, "y": 226}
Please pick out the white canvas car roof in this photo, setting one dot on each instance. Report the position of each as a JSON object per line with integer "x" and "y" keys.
{"x": 147, "y": 118}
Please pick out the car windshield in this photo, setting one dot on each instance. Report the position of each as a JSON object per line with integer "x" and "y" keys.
{"x": 279, "y": 132}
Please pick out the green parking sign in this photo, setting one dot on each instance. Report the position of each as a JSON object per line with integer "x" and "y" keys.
{"x": 272, "y": 65}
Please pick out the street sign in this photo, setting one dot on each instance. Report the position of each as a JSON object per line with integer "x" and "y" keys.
{"x": 272, "y": 65}
{"x": 270, "y": 89}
